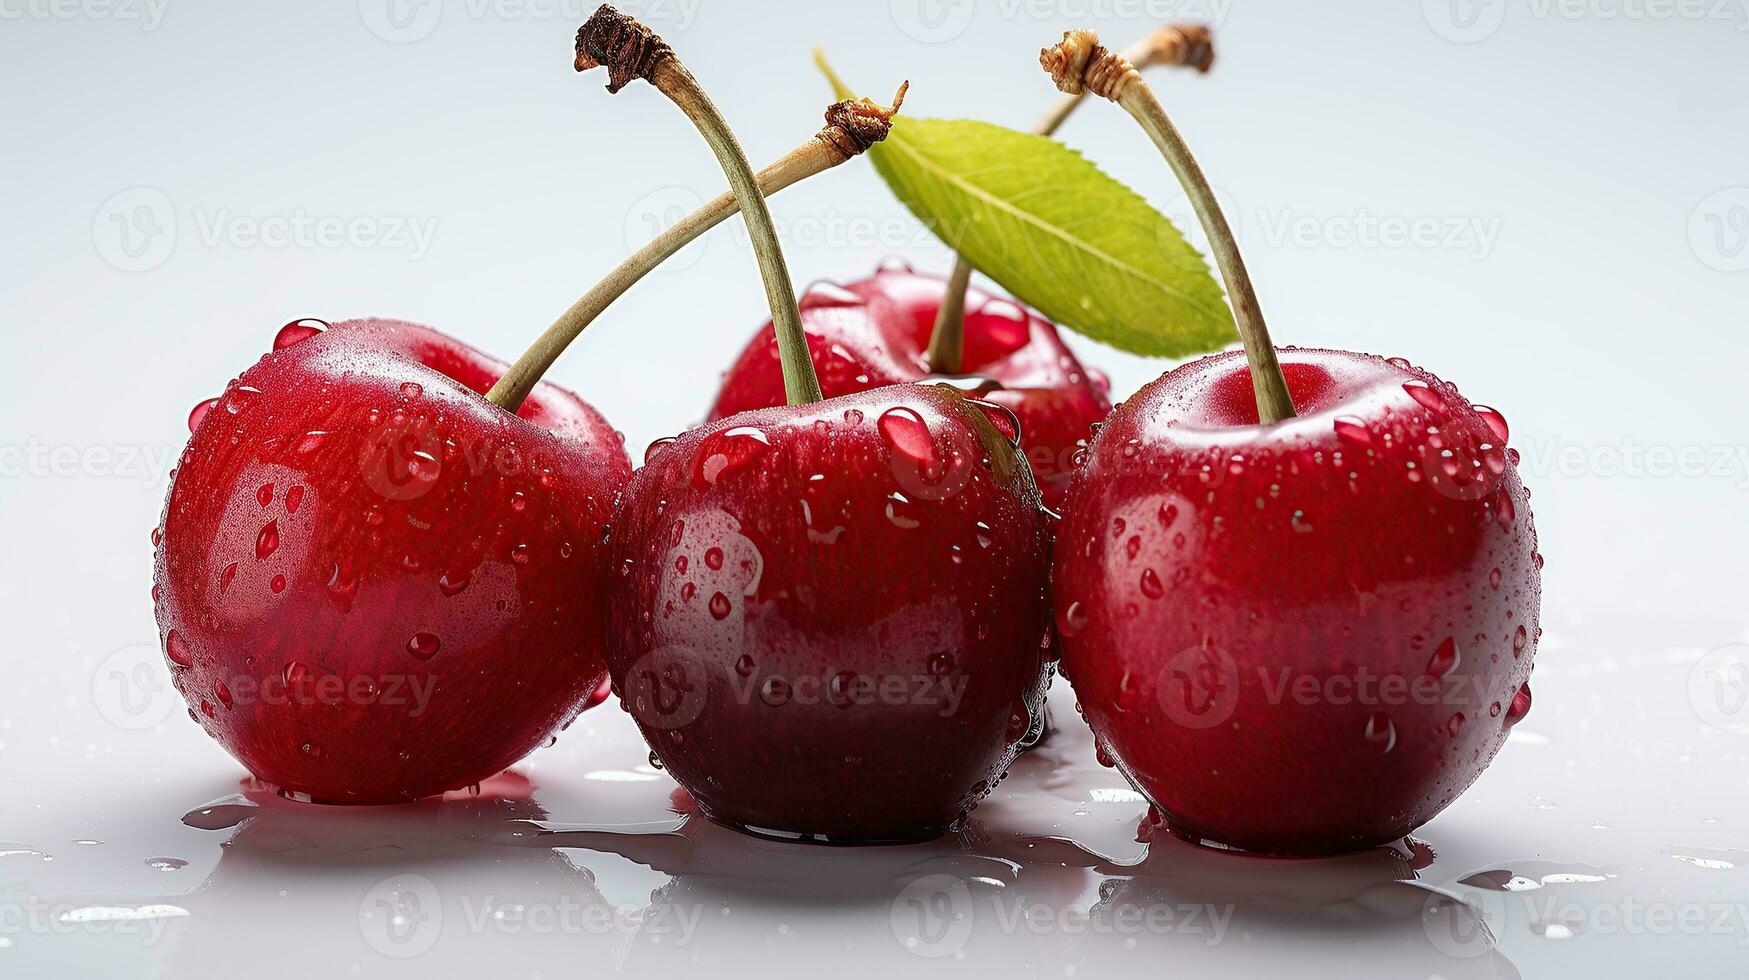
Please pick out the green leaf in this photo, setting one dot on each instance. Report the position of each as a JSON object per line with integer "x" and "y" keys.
{"x": 1056, "y": 231}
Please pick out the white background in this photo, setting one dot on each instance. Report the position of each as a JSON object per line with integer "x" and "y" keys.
{"x": 1585, "y": 167}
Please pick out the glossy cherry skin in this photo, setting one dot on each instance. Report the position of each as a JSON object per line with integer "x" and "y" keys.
{"x": 1308, "y": 637}
{"x": 876, "y": 331}
{"x": 374, "y": 585}
{"x": 828, "y": 619}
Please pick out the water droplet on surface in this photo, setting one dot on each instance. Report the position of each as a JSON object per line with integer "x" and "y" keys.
{"x": 1520, "y": 705}
{"x": 177, "y": 650}
{"x": 223, "y": 693}
{"x": 656, "y": 449}
{"x": 294, "y": 498}
{"x": 166, "y": 864}
{"x": 898, "y": 511}
{"x": 1445, "y": 659}
{"x": 941, "y": 664}
{"x": 1151, "y": 585}
{"x": 298, "y": 331}
{"x": 1381, "y": 732}
{"x": 226, "y": 576}
{"x": 905, "y": 433}
{"x": 1424, "y": 395}
{"x": 720, "y": 606}
{"x": 311, "y": 749}
{"x": 199, "y": 412}
{"x": 1454, "y": 724}
{"x": 267, "y": 541}
{"x": 713, "y": 558}
{"x": 1000, "y": 417}
{"x": 1072, "y": 620}
{"x": 1496, "y": 422}
{"x": 744, "y": 665}
{"x": 278, "y": 584}
{"x": 822, "y": 293}
{"x": 727, "y": 452}
{"x": 423, "y": 646}
{"x": 1520, "y": 640}
{"x": 412, "y": 389}
{"x": 1352, "y": 430}
{"x": 1494, "y": 579}
{"x": 453, "y": 583}
{"x": 1504, "y": 510}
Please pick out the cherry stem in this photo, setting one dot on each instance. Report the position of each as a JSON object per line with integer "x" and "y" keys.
{"x": 851, "y": 128}
{"x": 1177, "y": 45}
{"x": 630, "y": 50}
{"x": 1081, "y": 64}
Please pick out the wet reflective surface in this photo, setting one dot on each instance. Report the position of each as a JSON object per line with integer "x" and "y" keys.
{"x": 1607, "y": 836}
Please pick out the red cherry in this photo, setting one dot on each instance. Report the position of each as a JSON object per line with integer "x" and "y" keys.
{"x": 876, "y": 331}
{"x": 1293, "y": 637}
{"x": 848, "y": 594}
{"x": 338, "y": 563}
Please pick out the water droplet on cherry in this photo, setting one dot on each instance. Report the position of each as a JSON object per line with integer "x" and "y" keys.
{"x": 267, "y": 541}
{"x": 1381, "y": 732}
{"x": 1445, "y": 659}
{"x": 177, "y": 650}
{"x": 199, "y": 412}
{"x": 726, "y": 452}
{"x": 1424, "y": 394}
{"x": 1353, "y": 430}
{"x": 298, "y": 331}
{"x": 423, "y": 646}
{"x": 1496, "y": 422}
{"x": 905, "y": 433}
{"x": 1520, "y": 705}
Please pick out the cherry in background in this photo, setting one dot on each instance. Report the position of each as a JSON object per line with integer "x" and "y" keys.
{"x": 901, "y": 326}
{"x": 876, "y": 332}
{"x": 1298, "y": 591}
{"x": 375, "y": 585}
